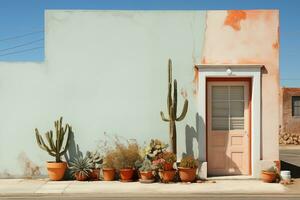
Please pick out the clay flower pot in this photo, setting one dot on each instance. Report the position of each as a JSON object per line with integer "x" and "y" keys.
{"x": 126, "y": 174}
{"x": 147, "y": 175}
{"x": 108, "y": 174}
{"x": 94, "y": 175}
{"x": 56, "y": 171}
{"x": 167, "y": 176}
{"x": 81, "y": 176}
{"x": 187, "y": 174}
{"x": 268, "y": 177}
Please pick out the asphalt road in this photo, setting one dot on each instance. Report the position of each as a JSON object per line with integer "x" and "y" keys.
{"x": 290, "y": 160}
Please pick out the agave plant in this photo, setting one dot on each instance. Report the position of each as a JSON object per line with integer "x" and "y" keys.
{"x": 81, "y": 168}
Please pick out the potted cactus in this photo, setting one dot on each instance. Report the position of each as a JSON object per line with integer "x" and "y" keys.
{"x": 55, "y": 148}
{"x": 146, "y": 171}
{"x": 187, "y": 169}
{"x": 81, "y": 168}
{"x": 96, "y": 161}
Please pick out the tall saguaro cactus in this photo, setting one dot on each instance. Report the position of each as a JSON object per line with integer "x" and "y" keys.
{"x": 172, "y": 109}
{"x": 54, "y": 148}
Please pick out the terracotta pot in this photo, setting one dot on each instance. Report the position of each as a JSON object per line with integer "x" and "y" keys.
{"x": 168, "y": 166}
{"x": 126, "y": 174}
{"x": 187, "y": 174}
{"x": 56, "y": 171}
{"x": 81, "y": 176}
{"x": 108, "y": 174}
{"x": 146, "y": 175}
{"x": 167, "y": 176}
{"x": 94, "y": 175}
{"x": 268, "y": 177}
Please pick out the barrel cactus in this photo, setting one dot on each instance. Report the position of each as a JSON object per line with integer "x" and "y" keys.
{"x": 172, "y": 109}
{"x": 55, "y": 145}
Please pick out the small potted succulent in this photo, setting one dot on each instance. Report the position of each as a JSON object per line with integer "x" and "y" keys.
{"x": 126, "y": 155}
{"x": 55, "y": 148}
{"x": 108, "y": 169}
{"x": 81, "y": 168}
{"x": 146, "y": 171}
{"x": 187, "y": 169}
{"x": 269, "y": 175}
{"x": 96, "y": 161}
{"x": 164, "y": 165}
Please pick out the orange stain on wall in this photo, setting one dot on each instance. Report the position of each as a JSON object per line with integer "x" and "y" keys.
{"x": 234, "y": 18}
{"x": 275, "y": 45}
{"x": 195, "y": 81}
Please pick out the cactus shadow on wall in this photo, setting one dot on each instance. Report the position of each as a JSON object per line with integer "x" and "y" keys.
{"x": 192, "y": 133}
{"x": 72, "y": 152}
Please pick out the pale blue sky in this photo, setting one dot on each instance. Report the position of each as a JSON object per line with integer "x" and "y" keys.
{"x": 22, "y": 24}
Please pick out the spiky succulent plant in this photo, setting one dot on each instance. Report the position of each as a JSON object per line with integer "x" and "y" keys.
{"x": 81, "y": 166}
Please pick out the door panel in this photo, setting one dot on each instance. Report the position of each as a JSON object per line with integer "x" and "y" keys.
{"x": 227, "y": 128}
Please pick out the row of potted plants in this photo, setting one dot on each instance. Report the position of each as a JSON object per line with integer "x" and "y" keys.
{"x": 123, "y": 160}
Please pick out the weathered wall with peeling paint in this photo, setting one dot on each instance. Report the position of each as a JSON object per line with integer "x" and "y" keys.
{"x": 106, "y": 71}
{"x": 250, "y": 37}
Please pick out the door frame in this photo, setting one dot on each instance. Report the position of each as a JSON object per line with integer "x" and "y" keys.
{"x": 252, "y": 71}
{"x": 229, "y": 79}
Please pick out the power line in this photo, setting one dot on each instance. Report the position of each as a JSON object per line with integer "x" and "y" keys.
{"x": 21, "y": 45}
{"x": 19, "y": 36}
{"x": 24, "y": 50}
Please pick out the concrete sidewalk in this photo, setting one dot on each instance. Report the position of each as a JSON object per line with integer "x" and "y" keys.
{"x": 15, "y": 187}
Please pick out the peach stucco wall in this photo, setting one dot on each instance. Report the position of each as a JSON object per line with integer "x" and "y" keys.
{"x": 250, "y": 37}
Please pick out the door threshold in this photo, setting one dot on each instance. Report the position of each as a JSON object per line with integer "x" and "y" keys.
{"x": 235, "y": 177}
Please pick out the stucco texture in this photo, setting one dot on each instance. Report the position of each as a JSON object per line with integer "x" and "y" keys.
{"x": 250, "y": 37}
{"x": 105, "y": 71}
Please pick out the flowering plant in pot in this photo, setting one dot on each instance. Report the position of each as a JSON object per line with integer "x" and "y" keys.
{"x": 146, "y": 170}
{"x": 126, "y": 155}
{"x": 154, "y": 149}
{"x": 164, "y": 165}
{"x": 55, "y": 148}
{"x": 269, "y": 175}
{"x": 170, "y": 159}
{"x": 96, "y": 161}
{"x": 81, "y": 168}
{"x": 187, "y": 169}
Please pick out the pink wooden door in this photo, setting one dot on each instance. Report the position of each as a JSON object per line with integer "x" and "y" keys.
{"x": 228, "y": 125}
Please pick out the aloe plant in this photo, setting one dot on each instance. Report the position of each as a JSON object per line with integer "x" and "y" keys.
{"x": 172, "y": 109}
{"x": 55, "y": 146}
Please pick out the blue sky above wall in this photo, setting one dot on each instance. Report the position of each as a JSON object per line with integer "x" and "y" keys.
{"x": 22, "y": 24}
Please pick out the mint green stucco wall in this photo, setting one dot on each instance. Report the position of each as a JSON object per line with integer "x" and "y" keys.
{"x": 105, "y": 71}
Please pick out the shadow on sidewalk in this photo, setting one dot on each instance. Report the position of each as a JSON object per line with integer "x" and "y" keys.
{"x": 295, "y": 170}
